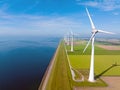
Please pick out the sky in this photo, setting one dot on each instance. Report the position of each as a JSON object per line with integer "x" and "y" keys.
{"x": 57, "y": 17}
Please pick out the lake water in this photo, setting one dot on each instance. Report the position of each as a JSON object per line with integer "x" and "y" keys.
{"x": 23, "y": 61}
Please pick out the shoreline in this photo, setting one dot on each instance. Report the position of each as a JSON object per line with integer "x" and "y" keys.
{"x": 47, "y": 73}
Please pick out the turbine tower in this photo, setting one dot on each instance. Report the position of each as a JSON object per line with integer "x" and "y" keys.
{"x": 94, "y": 32}
{"x": 67, "y": 38}
{"x": 72, "y": 41}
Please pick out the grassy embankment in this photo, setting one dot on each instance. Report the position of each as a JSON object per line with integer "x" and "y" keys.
{"x": 60, "y": 77}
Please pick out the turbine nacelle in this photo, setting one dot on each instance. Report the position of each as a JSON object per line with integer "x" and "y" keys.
{"x": 94, "y": 31}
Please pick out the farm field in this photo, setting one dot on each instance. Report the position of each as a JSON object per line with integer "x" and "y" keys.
{"x": 102, "y": 62}
{"x": 104, "y": 57}
{"x": 107, "y": 61}
{"x": 78, "y": 50}
{"x": 99, "y": 50}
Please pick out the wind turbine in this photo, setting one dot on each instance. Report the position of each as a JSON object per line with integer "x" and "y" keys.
{"x": 72, "y": 40}
{"x": 67, "y": 38}
{"x": 94, "y": 32}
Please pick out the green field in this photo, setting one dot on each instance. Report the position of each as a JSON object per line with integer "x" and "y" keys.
{"x": 107, "y": 62}
{"x": 103, "y": 58}
{"x": 102, "y": 62}
{"x": 78, "y": 50}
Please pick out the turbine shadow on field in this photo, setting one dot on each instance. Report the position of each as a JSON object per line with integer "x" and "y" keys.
{"x": 113, "y": 65}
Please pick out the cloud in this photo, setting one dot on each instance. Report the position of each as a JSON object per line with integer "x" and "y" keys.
{"x": 35, "y": 25}
{"x": 90, "y": 3}
{"x": 28, "y": 24}
{"x": 115, "y": 13}
{"x": 106, "y": 5}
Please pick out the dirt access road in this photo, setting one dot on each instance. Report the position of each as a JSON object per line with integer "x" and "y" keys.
{"x": 113, "y": 84}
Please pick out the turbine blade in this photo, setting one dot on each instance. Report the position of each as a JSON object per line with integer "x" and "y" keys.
{"x": 92, "y": 24}
{"x": 105, "y": 32}
{"x": 89, "y": 42}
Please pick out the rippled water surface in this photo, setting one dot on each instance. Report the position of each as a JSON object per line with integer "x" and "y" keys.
{"x": 24, "y": 61}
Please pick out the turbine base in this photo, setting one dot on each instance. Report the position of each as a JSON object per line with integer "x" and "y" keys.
{"x": 92, "y": 81}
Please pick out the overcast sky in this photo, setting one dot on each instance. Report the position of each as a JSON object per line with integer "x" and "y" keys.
{"x": 57, "y": 17}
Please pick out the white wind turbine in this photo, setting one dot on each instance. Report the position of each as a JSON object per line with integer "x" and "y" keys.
{"x": 67, "y": 38}
{"x": 72, "y": 41}
{"x": 94, "y": 32}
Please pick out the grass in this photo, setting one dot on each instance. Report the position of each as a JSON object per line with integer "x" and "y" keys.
{"x": 79, "y": 61}
{"x": 85, "y": 83}
{"x": 60, "y": 77}
{"x": 78, "y": 50}
{"x": 98, "y": 83}
{"x": 104, "y": 59}
{"x": 102, "y": 62}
